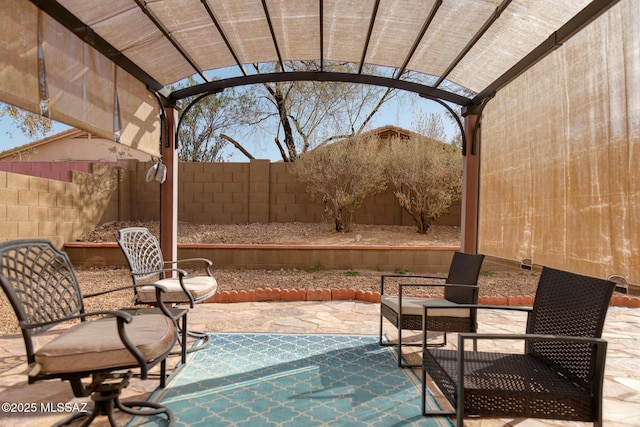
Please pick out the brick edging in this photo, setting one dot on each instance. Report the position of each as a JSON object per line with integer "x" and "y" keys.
{"x": 276, "y": 294}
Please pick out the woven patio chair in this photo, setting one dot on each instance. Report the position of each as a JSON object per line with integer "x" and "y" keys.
{"x": 558, "y": 375}
{"x": 105, "y": 347}
{"x": 405, "y": 312}
{"x": 144, "y": 256}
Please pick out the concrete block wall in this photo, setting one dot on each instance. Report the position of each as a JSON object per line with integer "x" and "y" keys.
{"x": 254, "y": 192}
{"x": 50, "y": 170}
{"x": 60, "y": 211}
{"x": 209, "y": 193}
{"x": 213, "y": 193}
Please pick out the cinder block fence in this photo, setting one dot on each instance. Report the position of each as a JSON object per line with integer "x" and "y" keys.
{"x": 76, "y": 202}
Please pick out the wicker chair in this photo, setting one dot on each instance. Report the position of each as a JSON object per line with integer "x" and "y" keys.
{"x": 460, "y": 287}
{"x": 144, "y": 256}
{"x": 558, "y": 376}
{"x": 41, "y": 285}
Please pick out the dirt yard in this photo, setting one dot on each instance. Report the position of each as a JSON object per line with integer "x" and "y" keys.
{"x": 492, "y": 283}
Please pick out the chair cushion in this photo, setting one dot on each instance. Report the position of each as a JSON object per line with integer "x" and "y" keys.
{"x": 96, "y": 345}
{"x": 414, "y": 306}
{"x": 199, "y": 286}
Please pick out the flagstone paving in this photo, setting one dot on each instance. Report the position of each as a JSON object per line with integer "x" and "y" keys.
{"x": 621, "y": 388}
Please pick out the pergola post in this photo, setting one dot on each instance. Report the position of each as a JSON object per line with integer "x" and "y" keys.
{"x": 169, "y": 189}
{"x": 470, "y": 182}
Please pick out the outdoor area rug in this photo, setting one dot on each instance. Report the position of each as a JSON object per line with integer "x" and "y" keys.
{"x": 293, "y": 380}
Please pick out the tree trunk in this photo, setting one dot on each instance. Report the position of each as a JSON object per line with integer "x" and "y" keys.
{"x": 284, "y": 121}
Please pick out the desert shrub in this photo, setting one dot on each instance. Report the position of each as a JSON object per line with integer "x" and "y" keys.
{"x": 426, "y": 176}
{"x": 343, "y": 173}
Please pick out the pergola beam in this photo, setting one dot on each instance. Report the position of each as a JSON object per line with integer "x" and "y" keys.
{"x": 372, "y": 21}
{"x": 167, "y": 35}
{"x": 418, "y": 39}
{"x": 223, "y": 35}
{"x": 321, "y": 76}
{"x": 267, "y": 16}
{"x": 485, "y": 27}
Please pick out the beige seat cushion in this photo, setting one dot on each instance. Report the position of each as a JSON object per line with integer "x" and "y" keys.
{"x": 415, "y": 306}
{"x": 96, "y": 345}
{"x": 199, "y": 286}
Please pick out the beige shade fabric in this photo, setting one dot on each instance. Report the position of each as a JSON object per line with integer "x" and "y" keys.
{"x": 19, "y": 55}
{"x": 139, "y": 114}
{"x": 559, "y": 142}
{"x": 79, "y": 81}
{"x": 560, "y": 155}
{"x": 334, "y": 30}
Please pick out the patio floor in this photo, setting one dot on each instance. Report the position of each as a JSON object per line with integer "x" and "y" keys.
{"x": 622, "y": 330}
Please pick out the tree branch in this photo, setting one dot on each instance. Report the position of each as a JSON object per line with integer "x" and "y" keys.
{"x": 237, "y": 145}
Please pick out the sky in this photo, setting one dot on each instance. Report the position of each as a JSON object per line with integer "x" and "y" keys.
{"x": 392, "y": 113}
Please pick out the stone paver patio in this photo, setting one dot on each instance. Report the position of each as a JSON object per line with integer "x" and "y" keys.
{"x": 622, "y": 330}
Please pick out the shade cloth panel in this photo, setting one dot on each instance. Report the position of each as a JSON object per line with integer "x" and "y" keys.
{"x": 344, "y": 24}
{"x": 80, "y": 82}
{"x": 19, "y": 55}
{"x": 560, "y": 151}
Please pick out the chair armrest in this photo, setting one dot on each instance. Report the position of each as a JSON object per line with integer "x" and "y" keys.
{"x": 207, "y": 262}
{"x": 475, "y": 289}
{"x": 159, "y": 291}
{"x": 483, "y": 306}
{"x": 180, "y": 272}
{"x": 527, "y": 310}
{"x": 413, "y": 276}
{"x": 440, "y": 285}
{"x": 121, "y": 288}
{"x": 531, "y": 337}
{"x": 126, "y": 317}
{"x": 204, "y": 260}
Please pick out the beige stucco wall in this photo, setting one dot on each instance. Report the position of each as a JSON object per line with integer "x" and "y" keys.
{"x": 83, "y": 148}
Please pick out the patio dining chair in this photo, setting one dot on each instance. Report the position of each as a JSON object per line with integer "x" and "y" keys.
{"x": 144, "y": 256}
{"x": 100, "y": 352}
{"x": 557, "y": 374}
{"x": 405, "y": 312}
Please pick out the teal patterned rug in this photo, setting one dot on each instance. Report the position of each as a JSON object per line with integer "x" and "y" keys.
{"x": 284, "y": 380}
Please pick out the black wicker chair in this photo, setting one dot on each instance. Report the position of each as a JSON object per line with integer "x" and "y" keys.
{"x": 558, "y": 376}
{"x": 405, "y": 313}
{"x": 41, "y": 285}
{"x": 144, "y": 256}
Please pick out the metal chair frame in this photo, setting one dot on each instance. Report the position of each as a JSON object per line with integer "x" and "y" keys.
{"x": 41, "y": 285}
{"x": 460, "y": 287}
{"x": 559, "y": 375}
{"x": 144, "y": 257}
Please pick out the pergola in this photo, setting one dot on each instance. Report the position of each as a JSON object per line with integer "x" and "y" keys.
{"x": 554, "y": 84}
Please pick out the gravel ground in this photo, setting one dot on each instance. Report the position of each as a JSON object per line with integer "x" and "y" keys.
{"x": 498, "y": 283}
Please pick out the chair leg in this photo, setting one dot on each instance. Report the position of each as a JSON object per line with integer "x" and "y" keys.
{"x": 439, "y": 344}
{"x": 398, "y": 344}
{"x": 434, "y": 413}
{"x": 106, "y": 398}
{"x": 203, "y": 338}
{"x": 400, "y": 357}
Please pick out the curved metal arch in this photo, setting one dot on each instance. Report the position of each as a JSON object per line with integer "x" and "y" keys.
{"x": 184, "y": 113}
{"x": 321, "y": 76}
{"x": 457, "y": 119}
